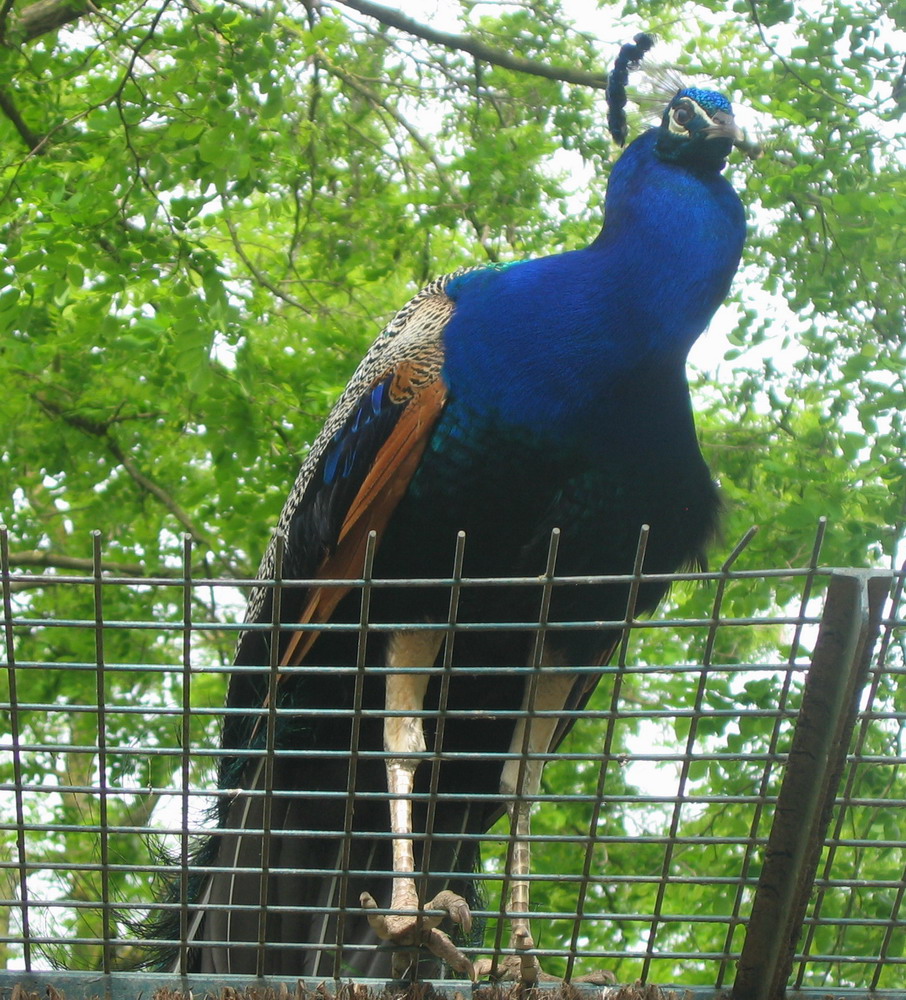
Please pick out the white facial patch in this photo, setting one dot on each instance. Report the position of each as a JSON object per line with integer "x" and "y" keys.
{"x": 685, "y": 112}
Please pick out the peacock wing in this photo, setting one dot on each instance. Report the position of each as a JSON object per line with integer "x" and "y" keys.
{"x": 357, "y": 470}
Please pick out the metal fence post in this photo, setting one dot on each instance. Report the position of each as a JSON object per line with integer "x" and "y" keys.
{"x": 830, "y": 700}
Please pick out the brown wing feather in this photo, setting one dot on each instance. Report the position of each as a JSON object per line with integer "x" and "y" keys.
{"x": 371, "y": 510}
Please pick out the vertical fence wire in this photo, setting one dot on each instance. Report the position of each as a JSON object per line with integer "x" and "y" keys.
{"x": 815, "y": 765}
{"x": 16, "y": 748}
{"x": 895, "y": 920}
{"x": 103, "y": 787}
{"x": 848, "y": 794}
{"x": 354, "y": 741}
{"x": 440, "y": 721}
{"x": 585, "y": 878}
{"x": 689, "y": 754}
{"x": 520, "y": 803}
{"x": 185, "y": 758}
{"x": 270, "y": 745}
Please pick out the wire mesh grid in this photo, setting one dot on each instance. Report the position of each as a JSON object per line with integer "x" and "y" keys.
{"x": 650, "y": 830}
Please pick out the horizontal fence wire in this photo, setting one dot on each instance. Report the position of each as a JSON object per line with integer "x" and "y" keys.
{"x": 648, "y": 831}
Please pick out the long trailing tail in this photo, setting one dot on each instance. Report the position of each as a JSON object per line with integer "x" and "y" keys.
{"x": 298, "y": 888}
{"x": 294, "y": 850}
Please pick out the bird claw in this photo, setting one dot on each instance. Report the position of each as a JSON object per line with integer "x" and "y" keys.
{"x": 525, "y": 969}
{"x": 413, "y": 931}
{"x": 597, "y": 977}
{"x": 511, "y": 969}
{"x": 518, "y": 968}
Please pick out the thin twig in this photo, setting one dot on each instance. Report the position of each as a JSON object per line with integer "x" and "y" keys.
{"x": 151, "y": 487}
{"x": 260, "y": 277}
{"x": 424, "y": 146}
{"x": 101, "y": 430}
{"x": 786, "y": 65}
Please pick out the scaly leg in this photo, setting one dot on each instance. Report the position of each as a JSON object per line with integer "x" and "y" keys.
{"x": 404, "y": 734}
{"x": 552, "y": 691}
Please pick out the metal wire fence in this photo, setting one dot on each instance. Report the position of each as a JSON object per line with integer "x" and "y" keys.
{"x": 735, "y": 783}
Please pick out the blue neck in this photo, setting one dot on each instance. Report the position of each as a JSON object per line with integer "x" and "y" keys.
{"x": 545, "y": 341}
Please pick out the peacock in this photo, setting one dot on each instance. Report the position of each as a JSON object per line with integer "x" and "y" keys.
{"x": 506, "y": 405}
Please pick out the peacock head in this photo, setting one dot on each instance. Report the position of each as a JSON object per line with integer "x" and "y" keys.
{"x": 698, "y": 130}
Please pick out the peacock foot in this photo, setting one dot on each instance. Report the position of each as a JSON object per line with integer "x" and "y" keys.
{"x": 518, "y": 968}
{"x": 524, "y": 968}
{"x": 511, "y": 969}
{"x": 420, "y": 931}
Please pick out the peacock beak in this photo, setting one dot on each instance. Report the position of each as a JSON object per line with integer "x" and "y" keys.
{"x": 723, "y": 126}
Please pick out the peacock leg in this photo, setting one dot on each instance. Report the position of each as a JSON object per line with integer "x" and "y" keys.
{"x": 520, "y": 781}
{"x": 404, "y": 734}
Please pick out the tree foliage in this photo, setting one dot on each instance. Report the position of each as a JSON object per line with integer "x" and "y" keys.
{"x": 208, "y": 209}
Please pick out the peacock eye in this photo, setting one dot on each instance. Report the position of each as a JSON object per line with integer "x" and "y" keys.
{"x": 682, "y": 115}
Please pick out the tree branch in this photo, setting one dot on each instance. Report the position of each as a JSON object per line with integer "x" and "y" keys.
{"x": 4, "y": 17}
{"x": 786, "y": 65}
{"x": 84, "y": 567}
{"x": 156, "y": 491}
{"x": 47, "y": 15}
{"x": 31, "y": 139}
{"x": 102, "y": 430}
{"x": 48, "y": 560}
{"x": 465, "y": 43}
{"x": 42, "y": 559}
